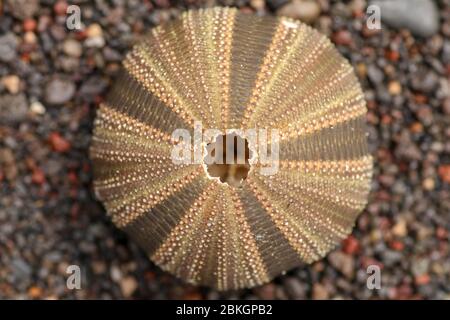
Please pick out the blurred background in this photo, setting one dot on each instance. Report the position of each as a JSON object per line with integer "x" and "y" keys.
{"x": 52, "y": 79}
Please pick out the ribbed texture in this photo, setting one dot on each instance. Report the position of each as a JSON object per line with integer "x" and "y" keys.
{"x": 233, "y": 71}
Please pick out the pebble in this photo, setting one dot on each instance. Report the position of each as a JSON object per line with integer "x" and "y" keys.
{"x": 94, "y": 30}
{"x": 400, "y": 228}
{"x": 96, "y": 42}
{"x": 294, "y": 288}
{"x": 395, "y": 88}
{"x": 8, "y": 47}
{"x": 424, "y": 81}
{"x": 35, "y": 292}
{"x": 305, "y": 10}
{"x": 428, "y": 184}
{"x": 397, "y": 245}
{"x": 30, "y": 37}
{"x": 22, "y": 9}
{"x": 320, "y": 292}
{"x": 58, "y": 143}
{"x": 423, "y": 279}
{"x": 59, "y": 91}
{"x": 29, "y": 25}
{"x": 8, "y": 164}
{"x": 425, "y": 114}
{"x": 420, "y": 266}
{"x": 361, "y": 70}
{"x": 265, "y": 292}
{"x": 94, "y": 35}
{"x": 60, "y": 7}
{"x": 350, "y": 245}
{"x": 391, "y": 257}
{"x": 421, "y": 17}
{"x": 6, "y": 156}
{"x": 13, "y": 108}
{"x": 21, "y": 267}
{"x": 37, "y": 108}
{"x": 406, "y": 149}
{"x": 444, "y": 173}
{"x": 38, "y": 176}
{"x": 375, "y": 75}
{"x": 257, "y": 4}
{"x": 446, "y": 52}
{"x": 446, "y": 106}
{"x": 11, "y": 83}
{"x": 72, "y": 48}
{"x": 99, "y": 267}
{"x": 358, "y": 6}
{"x": 116, "y": 274}
{"x": 128, "y": 285}
{"x": 342, "y": 262}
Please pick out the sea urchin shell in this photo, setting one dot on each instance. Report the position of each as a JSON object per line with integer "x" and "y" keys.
{"x": 229, "y": 70}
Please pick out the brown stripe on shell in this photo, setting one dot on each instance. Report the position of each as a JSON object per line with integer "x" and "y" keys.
{"x": 182, "y": 250}
{"x": 276, "y": 252}
{"x": 344, "y": 141}
{"x": 251, "y": 34}
{"x": 285, "y": 42}
{"x": 130, "y": 98}
{"x": 150, "y": 229}
{"x": 124, "y": 208}
{"x": 151, "y": 74}
{"x": 304, "y": 242}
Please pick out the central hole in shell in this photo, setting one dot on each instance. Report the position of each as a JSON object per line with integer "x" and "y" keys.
{"x": 229, "y": 154}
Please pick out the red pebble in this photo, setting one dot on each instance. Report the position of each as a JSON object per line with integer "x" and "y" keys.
{"x": 397, "y": 245}
{"x": 444, "y": 173}
{"x": 29, "y": 25}
{"x": 58, "y": 143}
{"x": 72, "y": 176}
{"x": 60, "y": 8}
{"x": 441, "y": 233}
{"x": 422, "y": 279}
{"x": 386, "y": 119}
{"x": 38, "y": 176}
{"x": 25, "y": 57}
{"x": 350, "y": 245}
{"x": 81, "y": 35}
{"x": 420, "y": 98}
{"x": 392, "y": 55}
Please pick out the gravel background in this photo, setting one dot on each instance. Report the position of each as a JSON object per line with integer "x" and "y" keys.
{"x": 52, "y": 79}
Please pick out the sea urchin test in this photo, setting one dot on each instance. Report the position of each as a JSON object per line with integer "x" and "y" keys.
{"x": 221, "y": 224}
